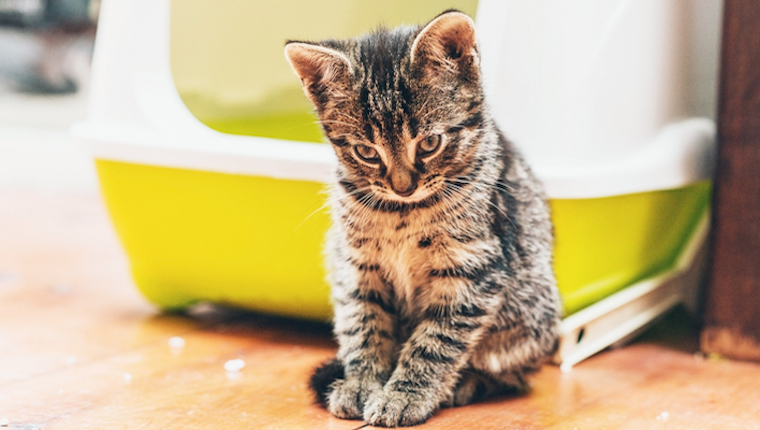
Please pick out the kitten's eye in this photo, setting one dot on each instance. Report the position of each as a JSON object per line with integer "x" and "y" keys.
{"x": 429, "y": 145}
{"x": 367, "y": 153}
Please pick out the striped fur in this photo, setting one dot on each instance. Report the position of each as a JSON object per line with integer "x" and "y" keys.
{"x": 440, "y": 263}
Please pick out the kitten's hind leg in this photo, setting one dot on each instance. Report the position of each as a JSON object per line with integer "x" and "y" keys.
{"x": 474, "y": 386}
{"x": 508, "y": 358}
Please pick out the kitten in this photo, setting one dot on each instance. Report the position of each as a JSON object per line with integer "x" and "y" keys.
{"x": 440, "y": 252}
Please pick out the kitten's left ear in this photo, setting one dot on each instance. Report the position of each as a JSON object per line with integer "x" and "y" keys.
{"x": 447, "y": 44}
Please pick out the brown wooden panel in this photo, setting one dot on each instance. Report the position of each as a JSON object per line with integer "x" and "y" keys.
{"x": 732, "y": 301}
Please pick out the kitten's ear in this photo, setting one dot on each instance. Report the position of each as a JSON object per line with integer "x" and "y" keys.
{"x": 322, "y": 70}
{"x": 447, "y": 45}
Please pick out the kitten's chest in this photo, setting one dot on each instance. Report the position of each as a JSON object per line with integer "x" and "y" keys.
{"x": 405, "y": 254}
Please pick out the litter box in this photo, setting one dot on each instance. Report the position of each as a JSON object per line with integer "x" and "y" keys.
{"x": 213, "y": 173}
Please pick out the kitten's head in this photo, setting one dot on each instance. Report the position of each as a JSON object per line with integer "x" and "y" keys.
{"x": 403, "y": 108}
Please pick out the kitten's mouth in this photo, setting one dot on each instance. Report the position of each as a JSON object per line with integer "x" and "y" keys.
{"x": 383, "y": 199}
{"x": 415, "y": 196}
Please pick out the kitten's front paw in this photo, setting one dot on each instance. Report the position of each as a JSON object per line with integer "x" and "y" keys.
{"x": 391, "y": 408}
{"x": 348, "y": 397}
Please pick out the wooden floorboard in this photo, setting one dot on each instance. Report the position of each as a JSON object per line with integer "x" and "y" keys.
{"x": 79, "y": 349}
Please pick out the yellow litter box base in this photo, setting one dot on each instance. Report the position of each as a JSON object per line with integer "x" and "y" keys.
{"x": 196, "y": 236}
{"x": 605, "y": 244}
{"x": 255, "y": 242}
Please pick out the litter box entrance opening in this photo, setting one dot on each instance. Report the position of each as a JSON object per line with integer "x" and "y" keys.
{"x": 228, "y": 64}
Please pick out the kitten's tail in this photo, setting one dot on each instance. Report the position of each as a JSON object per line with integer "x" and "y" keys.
{"x": 323, "y": 377}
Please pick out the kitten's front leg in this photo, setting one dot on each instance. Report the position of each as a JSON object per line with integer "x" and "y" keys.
{"x": 364, "y": 326}
{"x": 429, "y": 365}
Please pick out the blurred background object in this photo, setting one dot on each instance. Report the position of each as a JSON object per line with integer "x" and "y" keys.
{"x": 45, "y": 53}
{"x": 45, "y": 45}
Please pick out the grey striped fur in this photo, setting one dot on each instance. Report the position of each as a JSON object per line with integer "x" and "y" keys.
{"x": 440, "y": 263}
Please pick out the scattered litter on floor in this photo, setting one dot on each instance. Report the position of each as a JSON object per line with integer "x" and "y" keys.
{"x": 176, "y": 342}
{"x": 71, "y": 360}
{"x": 663, "y": 416}
{"x": 234, "y": 365}
{"x": 127, "y": 377}
{"x": 4, "y": 422}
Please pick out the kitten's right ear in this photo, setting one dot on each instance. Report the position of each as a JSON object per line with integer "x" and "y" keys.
{"x": 322, "y": 70}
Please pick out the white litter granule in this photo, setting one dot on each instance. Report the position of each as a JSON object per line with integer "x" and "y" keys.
{"x": 71, "y": 360}
{"x": 663, "y": 416}
{"x": 4, "y": 422}
{"x": 566, "y": 368}
{"x": 127, "y": 377}
{"x": 234, "y": 365}
{"x": 176, "y": 342}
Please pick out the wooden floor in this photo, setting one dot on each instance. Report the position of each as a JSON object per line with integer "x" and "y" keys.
{"x": 79, "y": 349}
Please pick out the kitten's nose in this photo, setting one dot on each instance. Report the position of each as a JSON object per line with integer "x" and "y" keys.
{"x": 403, "y": 183}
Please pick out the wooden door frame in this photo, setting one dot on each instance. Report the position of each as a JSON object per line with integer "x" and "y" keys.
{"x": 732, "y": 298}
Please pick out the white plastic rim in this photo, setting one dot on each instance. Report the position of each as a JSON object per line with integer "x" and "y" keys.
{"x": 680, "y": 155}
{"x": 136, "y": 116}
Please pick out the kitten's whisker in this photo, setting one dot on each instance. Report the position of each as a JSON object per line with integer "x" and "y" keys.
{"x": 319, "y": 209}
{"x": 449, "y": 194}
{"x": 359, "y": 214}
{"x": 345, "y": 115}
{"x": 451, "y": 208}
{"x": 461, "y": 190}
{"x": 479, "y": 185}
{"x": 498, "y": 185}
{"x": 358, "y": 191}
{"x": 332, "y": 121}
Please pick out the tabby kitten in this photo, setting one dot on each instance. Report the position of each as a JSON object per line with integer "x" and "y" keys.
{"x": 440, "y": 251}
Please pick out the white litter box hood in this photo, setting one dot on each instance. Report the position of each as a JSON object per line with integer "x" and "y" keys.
{"x": 598, "y": 94}
{"x": 576, "y": 123}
